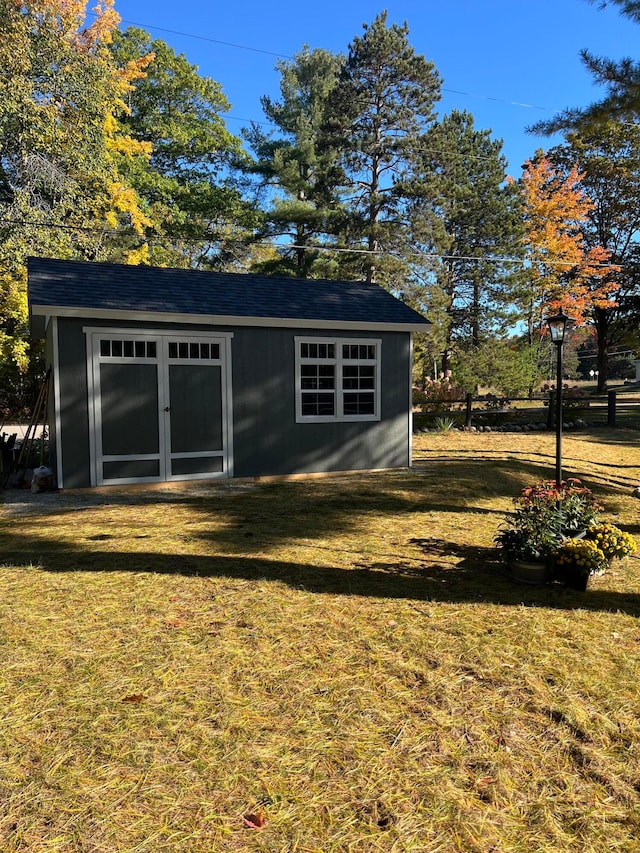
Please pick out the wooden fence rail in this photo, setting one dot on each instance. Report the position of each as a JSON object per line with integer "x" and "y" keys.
{"x": 618, "y": 407}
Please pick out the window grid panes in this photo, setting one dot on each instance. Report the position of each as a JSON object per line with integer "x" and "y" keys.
{"x": 193, "y": 350}
{"x": 319, "y": 351}
{"x": 318, "y": 405}
{"x": 118, "y": 348}
{"x": 338, "y": 379}
{"x": 359, "y": 351}
{"x": 317, "y": 376}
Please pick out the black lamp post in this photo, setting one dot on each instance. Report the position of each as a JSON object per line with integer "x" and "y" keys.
{"x": 558, "y": 326}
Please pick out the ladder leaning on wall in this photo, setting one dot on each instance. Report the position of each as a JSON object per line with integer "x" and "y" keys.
{"x": 39, "y": 418}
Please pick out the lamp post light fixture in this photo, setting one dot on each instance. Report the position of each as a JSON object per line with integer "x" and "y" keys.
{"x": 558, "y": 327}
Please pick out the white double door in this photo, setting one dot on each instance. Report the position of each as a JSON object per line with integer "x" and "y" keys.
{"x": 161, "y": 406}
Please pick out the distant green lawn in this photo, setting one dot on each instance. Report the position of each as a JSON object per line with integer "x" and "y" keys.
{"x": 344, "y": 660}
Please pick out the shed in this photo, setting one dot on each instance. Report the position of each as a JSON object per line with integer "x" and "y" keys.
{"x": 166, "y": 374}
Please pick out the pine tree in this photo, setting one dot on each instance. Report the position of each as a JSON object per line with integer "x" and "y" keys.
{"x": 621, "y": 79}
{"x": 377, "y": 117}
{"x": 466, "y": 217}
{"x": 292, "y": 166}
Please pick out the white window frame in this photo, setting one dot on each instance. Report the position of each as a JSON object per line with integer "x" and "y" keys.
{"x": 339, "y": 361}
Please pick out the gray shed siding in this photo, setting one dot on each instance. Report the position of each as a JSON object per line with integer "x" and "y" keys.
{"x": 266, "y": 438}
{"x": 74, "y": 411}
{"x": 51, "y": 411}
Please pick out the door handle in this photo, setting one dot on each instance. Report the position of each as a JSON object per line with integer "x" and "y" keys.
{"x": 167, "y": 409}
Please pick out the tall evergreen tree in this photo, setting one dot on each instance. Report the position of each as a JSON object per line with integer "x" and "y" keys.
{"x": 293, "y": 165}
{"x": 377, "y": 117}
{"x": 620, "y": 78}
{"x": 466, "y": 216}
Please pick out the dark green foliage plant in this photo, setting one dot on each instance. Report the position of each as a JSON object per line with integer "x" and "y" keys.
{"x": 291, "y": 166}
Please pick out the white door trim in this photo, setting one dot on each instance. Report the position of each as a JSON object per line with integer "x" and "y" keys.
{"x": 161, "y": 337}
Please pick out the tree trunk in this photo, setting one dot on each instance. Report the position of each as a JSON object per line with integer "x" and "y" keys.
{"x": 475, "y": 320}
{"x": 602, "y": 360}
{"x": 446, "y": 361}
{"x": 371, "y": 263}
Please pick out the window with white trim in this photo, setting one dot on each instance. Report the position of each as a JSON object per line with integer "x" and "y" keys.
{"x": 337, "y": 379}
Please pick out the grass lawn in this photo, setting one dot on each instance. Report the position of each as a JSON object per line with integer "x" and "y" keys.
{"x": 344, "y": 661}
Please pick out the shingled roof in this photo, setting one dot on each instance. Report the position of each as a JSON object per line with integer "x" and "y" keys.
{"x": 84, "y": 289}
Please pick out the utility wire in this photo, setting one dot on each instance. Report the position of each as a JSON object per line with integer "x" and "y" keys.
{"x": 287, "y": 56}
{"x": 208, "y": 39}
{"x": 290, "y": 246}
{"x": 278, "y": 55}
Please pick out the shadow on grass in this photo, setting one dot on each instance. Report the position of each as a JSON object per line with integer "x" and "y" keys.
{"x": 609, "y": 482}
{"x": 477, "y": 577}
{"x": 247, "y": 523}
{"x": 623, "y": 434}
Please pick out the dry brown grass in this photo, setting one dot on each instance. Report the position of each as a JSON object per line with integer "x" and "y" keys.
{"x": 345, "y": 657}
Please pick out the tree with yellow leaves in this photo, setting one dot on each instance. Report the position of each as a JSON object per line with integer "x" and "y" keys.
{"x": 62, "y": 98}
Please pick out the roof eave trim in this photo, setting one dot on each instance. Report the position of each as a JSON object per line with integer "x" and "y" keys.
{"x": 223, "y": 320}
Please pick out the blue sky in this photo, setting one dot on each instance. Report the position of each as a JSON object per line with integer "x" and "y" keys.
{"x": 508, "y": 62}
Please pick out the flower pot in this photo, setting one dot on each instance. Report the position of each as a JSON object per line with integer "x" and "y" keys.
{"x": 572, "y": 576}
{"x": 525, "y": 571}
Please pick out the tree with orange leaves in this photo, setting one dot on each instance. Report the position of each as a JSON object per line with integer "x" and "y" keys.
{"x": 564, "y": 272}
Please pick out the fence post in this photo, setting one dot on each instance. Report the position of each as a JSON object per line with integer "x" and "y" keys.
{"x": 611, "y": 408}
{"x": 468, "y": 399}
{"x": 552, "y": 408}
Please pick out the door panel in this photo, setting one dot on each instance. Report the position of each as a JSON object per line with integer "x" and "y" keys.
{"x": 129, "y": 403}
{"x": 195, "y": 394}
{"x": 132, "y": 469}
{"x": 186, "y": 465}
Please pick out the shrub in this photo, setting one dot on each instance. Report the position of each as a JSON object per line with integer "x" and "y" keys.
{"x": 444, "y": 424}
{"x": 439, "y": 395}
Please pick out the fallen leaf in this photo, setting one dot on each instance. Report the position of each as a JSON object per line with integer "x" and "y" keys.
{"x": 254, "y": 821}
{"x": 135, "y": 698}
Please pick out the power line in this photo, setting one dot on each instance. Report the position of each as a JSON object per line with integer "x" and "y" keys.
{"x": 293, "y": 246}
{"x": 208, "y": 39}
{"x": 237, "y": 46}
{"x": 279, "y": 55}
{"x": 288, "y": 56}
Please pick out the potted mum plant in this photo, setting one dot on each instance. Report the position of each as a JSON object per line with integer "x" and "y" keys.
{"x": 528, "y": 540}
{"x": 613, "y": 542}
{"x": 544, "y": 516}
{"x": 555, "y": 533}
{"x": 576, "y": 560}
